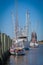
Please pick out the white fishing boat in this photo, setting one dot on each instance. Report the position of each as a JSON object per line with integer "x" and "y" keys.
{"x": 17, "y": 48}
{"x": 21, "y": 36}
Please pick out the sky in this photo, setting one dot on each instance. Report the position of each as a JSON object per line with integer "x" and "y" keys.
{"x": 35, "y": 8}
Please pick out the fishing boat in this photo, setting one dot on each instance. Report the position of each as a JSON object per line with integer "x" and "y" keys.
{"x": 33, "y": 42}
{"x": 17, "y": 48}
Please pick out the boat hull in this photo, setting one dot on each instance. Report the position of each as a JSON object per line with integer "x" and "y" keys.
{"x": 17, "y": 52}
{"x": 34, "y": 44}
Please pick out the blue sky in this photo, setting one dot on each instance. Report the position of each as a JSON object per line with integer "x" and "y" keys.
{"x": 35, "y": 8}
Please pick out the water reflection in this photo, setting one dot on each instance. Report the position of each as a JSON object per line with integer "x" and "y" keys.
{"x": 18, "y": 60}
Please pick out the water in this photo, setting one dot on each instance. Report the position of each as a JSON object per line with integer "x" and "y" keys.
{"x": 33, "y": 57}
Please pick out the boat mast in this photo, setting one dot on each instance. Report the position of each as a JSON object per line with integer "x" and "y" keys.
{"x": 27, "y": 22}
{"x": 16, "y": 22}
